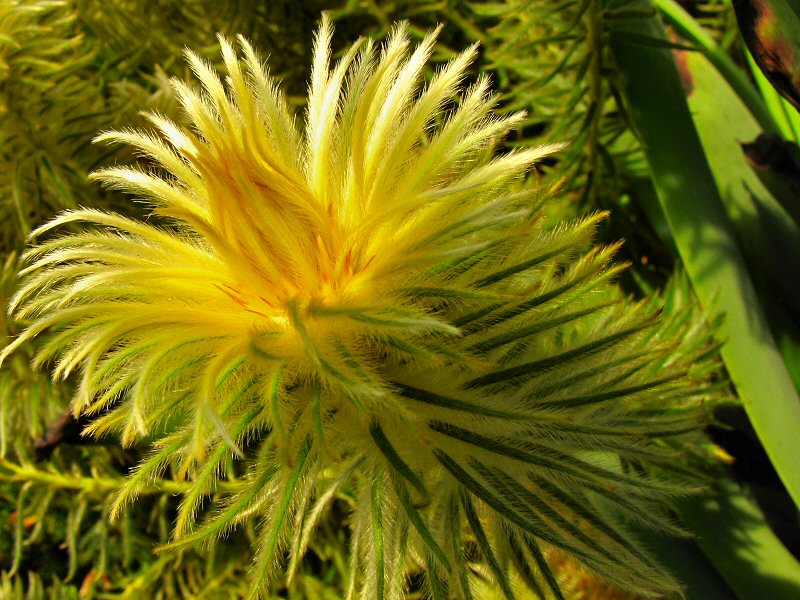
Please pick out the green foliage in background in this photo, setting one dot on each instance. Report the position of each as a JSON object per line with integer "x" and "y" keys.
{"x": 655, "y": 119}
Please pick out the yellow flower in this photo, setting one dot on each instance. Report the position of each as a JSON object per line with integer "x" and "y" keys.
{"x": 374, "y": 302}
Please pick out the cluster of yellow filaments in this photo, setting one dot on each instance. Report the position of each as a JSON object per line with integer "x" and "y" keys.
{"x": 302, "y": 251}
{"x": 377, "y": 300}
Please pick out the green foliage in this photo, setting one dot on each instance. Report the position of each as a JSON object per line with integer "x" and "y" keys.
{"x": 29, "y": 400}
{"x": 41, "y": 52}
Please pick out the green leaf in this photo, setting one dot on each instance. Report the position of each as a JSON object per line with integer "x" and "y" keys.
{"x": 419, "y": 524}
{"x": 690, "y": 29}
{"x": 277, "y": 518}
{"x": 612, "y": 394}
{"x": 639, "y": 39}
{"x": 520, "y": 267}
{"x": 377, "y": 535}
{"x": 19, "y": 531}
{"x": 147, "y": 471}
{"x": 685, "y": 560}
{"x": 485, "y": 547}
{"x": 435, "y": 399}
{"x": 627, "y": 494}
{"x": 205, "y": 478}
{"x": 734, "y": 535}
{"x": 524, "y": 332}
{"x": 538, "y": 366}
{"x": 437, "y": 585}
{"x": 226, "y": 517}
{"x": 574, "y": 504}
{"x": 521, "y": 562}
{"x": 766, "y": 232}
{"x": 74, "y": 520}
{"x": 785, "y": 115}
{"x": 397, "y": 463}
{"x": 456, "y": 529}
{"x": 509, "y": 507}
{"x": 544, "y": 569}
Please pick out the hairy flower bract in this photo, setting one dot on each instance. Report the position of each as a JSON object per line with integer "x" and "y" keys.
{"x": 370, "y": 305}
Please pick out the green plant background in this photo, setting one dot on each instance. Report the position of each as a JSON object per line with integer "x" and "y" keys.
{"x": 655, "y": 117}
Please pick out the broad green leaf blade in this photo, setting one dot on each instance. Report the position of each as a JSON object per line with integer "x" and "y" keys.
{"x": 690, "y": 29}
{"x": 732, "y": 532}
{"x": 768, "y": 236}
{"x": 705, "y": 239}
